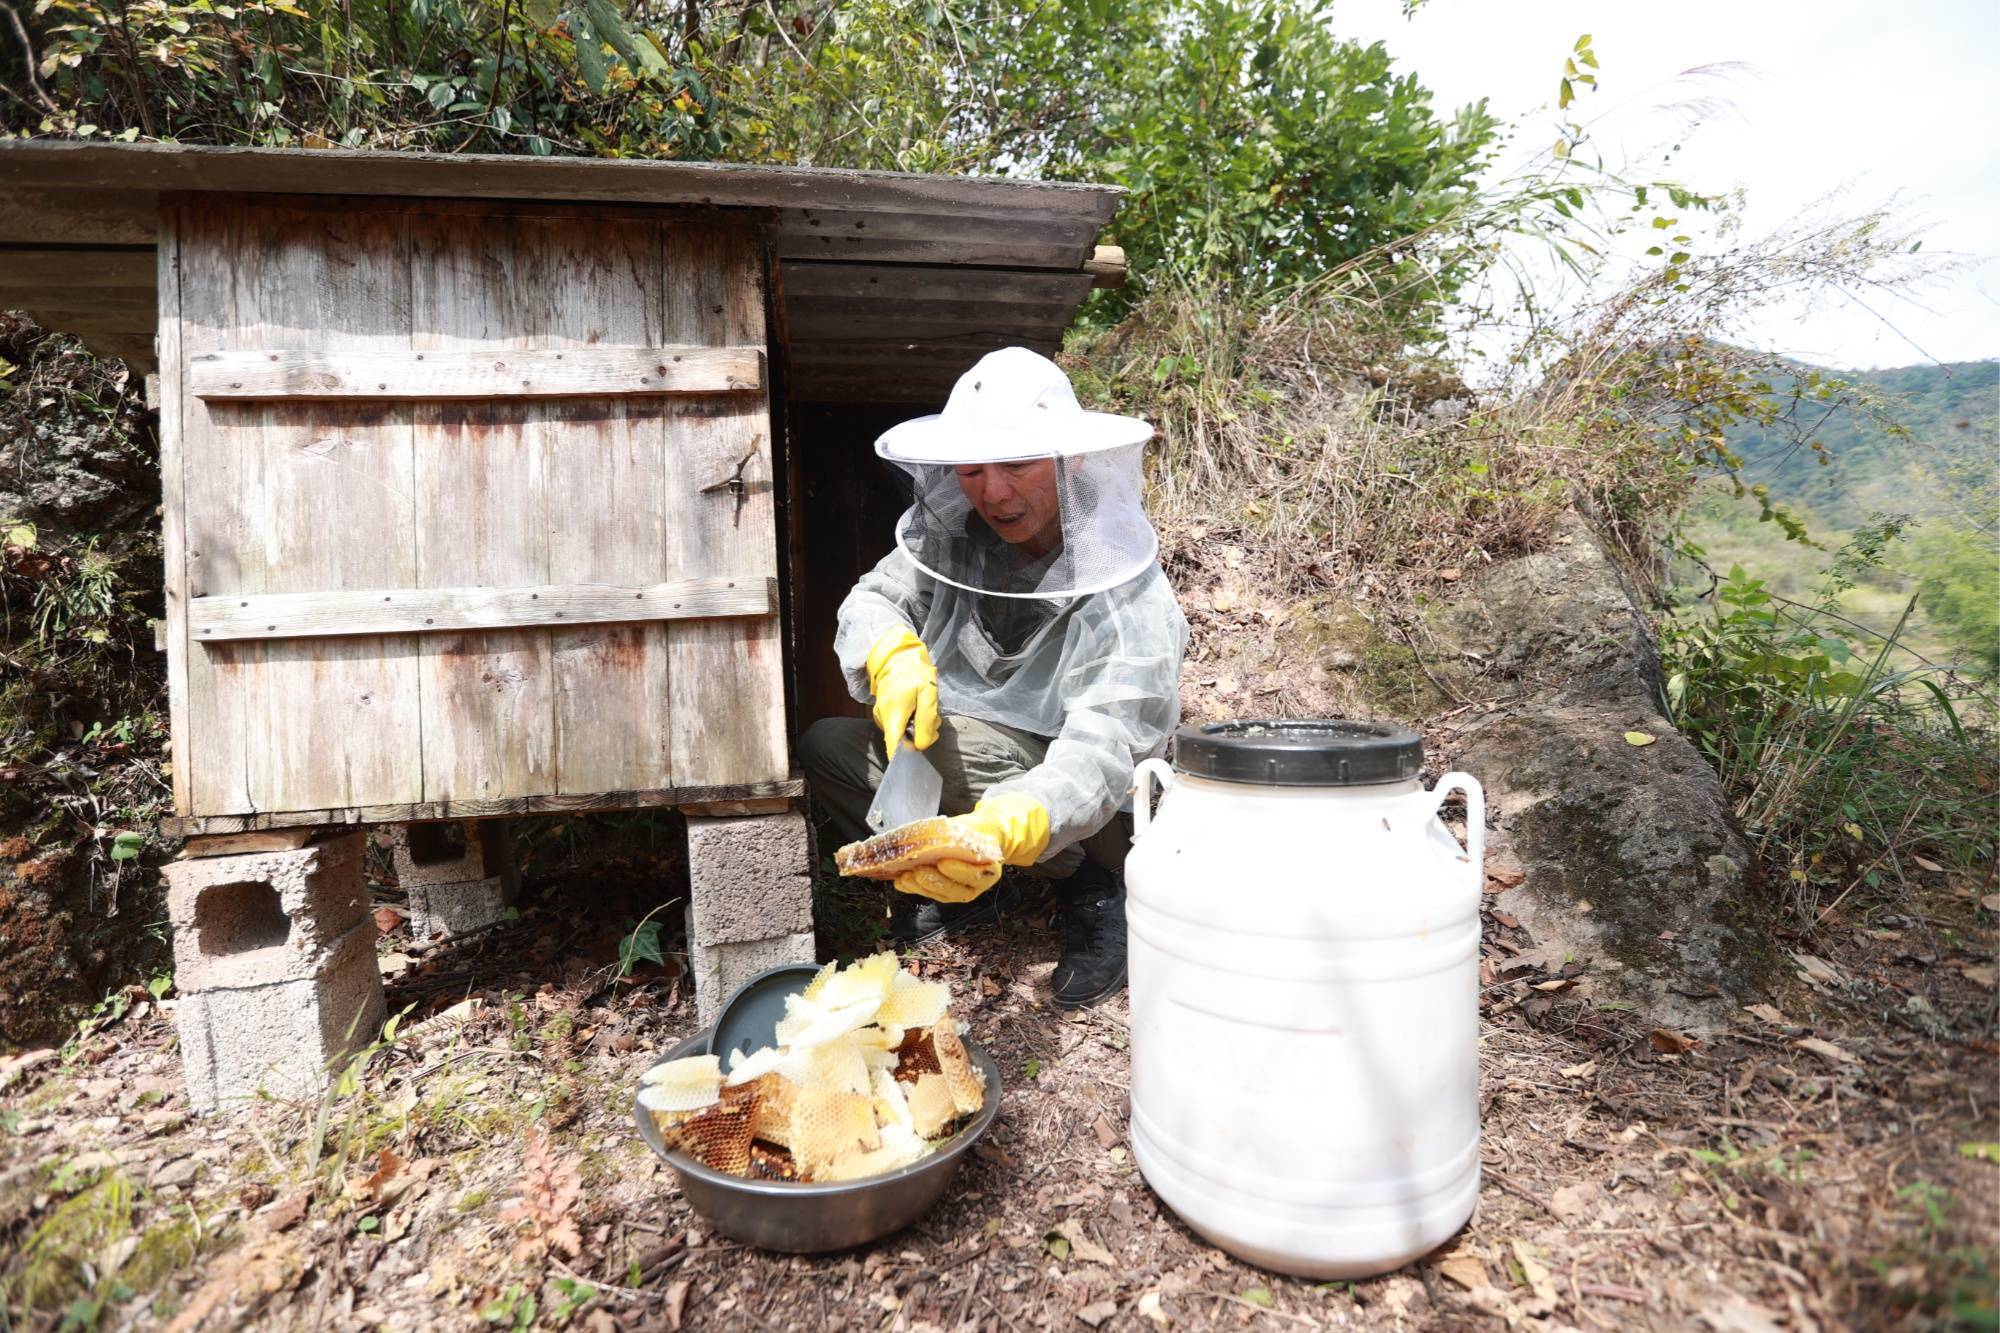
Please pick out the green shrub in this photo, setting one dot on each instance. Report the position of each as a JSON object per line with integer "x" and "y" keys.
{"x": 1843, "y": 764}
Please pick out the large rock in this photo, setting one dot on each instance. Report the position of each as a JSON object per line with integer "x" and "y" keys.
{"x": 1632, "y": 858}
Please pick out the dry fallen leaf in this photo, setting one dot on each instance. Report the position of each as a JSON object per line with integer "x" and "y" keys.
{"x": 1081, "y": 1246}
{"x": 1555, "y": 984}
{"x": 1925, "y": 863}
{"x": 1572, "y": 1200}
{"x": 1640, "y": 738}
{"x": 1499, "y": 881}
{"x": 1584, "y": 1070}
{"x": 1736, "y": 1315}
{"x": 1107, "y": 1134}
{"x": 371, "y": 1189}
{"x": 1818, "y": 971}
{"x": 1980, "y": 976}
{"x": 1669, "y": 1042}
{"x": 1536, "y": 1277}
{"x": 1149, "y": 1306}
{"x": 677, "y": 1299}
{"x": 288, "y": 1212}
{"x": 1991, "y": 902}
{"x": 1824, "y": 1049}
{"x": 1466, "y": 1271}
{"x": 1769, "y": 1013}
{"x": 1097, "y": 1313}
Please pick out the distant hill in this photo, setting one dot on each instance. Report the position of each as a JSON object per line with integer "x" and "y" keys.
{"x": 1942, "y": 472}
{"x": 1942, "y": 469}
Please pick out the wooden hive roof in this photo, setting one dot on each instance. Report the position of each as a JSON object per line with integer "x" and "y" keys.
{"x": 889, "y": 284}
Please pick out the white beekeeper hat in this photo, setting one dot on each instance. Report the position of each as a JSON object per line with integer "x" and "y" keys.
{"x": 1014, "y": 404}
{"x": 1015, "y": 407}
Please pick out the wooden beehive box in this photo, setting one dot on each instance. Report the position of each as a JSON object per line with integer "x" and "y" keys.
{"x": 468, "y": 509}
{"x": 488, "y": 482}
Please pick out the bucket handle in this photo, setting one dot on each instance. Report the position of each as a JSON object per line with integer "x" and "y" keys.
{"x": 1475, "y": 818}
{"x": 1142, "y": 796}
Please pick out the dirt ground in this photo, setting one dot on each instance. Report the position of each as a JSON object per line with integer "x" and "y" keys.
{"x": 1826, "y": 1162}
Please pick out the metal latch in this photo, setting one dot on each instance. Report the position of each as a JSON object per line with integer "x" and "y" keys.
{"x": 736, "y": 483}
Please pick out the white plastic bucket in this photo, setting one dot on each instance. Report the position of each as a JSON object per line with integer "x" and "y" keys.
{"x": 1305, "y": 997}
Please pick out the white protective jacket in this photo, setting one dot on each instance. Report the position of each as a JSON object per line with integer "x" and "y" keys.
{"x": 1100, "y": 676}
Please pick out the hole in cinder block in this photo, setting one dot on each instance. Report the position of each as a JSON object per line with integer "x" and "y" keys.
{"x": 436, "y": 844}
{"x": 237, "y": 918}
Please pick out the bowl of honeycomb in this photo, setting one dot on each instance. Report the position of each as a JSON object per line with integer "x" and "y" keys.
{"x": 850, "y": 1125}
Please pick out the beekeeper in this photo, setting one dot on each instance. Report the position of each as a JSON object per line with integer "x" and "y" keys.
{"x": 1023, "y": 635}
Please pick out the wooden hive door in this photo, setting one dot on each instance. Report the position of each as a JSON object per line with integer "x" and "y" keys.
{"x": 443, "y": 522}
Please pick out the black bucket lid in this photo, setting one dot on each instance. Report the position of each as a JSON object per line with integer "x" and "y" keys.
{"x": 1330, "y": 752}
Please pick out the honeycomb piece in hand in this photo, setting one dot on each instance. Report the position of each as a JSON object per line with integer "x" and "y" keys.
{"x": 968, "y": 1089}
{"x": 916, "y": 1056}
{"x": 719, "y": 1137}
{"x": 921, "y": 842}
{"x": 931, "y": 1108}
{"x": 829, "y": 1124}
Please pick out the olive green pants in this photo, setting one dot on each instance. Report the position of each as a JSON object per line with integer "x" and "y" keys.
{"x": 844, "y": 764}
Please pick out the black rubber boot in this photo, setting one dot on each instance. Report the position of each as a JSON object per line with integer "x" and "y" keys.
{"x": 912, "y": 919}
{"x": 1090, "y": 908}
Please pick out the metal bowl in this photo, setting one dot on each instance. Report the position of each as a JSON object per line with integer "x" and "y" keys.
{"x": 806, "y": 1219}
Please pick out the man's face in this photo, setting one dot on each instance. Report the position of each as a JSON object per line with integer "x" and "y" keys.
{"x": 1018, "y": 501}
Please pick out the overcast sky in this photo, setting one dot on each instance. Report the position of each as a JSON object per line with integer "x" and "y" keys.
{"x": 1886, "y": 100}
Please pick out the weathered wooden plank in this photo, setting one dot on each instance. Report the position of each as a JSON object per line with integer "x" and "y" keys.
{"x": 928, "y": 238}
{"x": 173, "y": 509}
{"x": 886, "y": 353}
{"x": 481, "y": 469}
{"x": 611, "y": 682}
{"x": 209, "y": 751}
{"x": 52, "y": 211}
{"x": 202, "y": 846}
{"x": 310, "y": 615}
{"x": 66, "y": 308}
{"x": 137, "y": 168}
{"x": 727, "y": 709}
{"x": 918, "y": 282}
{"x": 575, "y": 372}
{"x": 70, "y": 267}
{"x": 325, "y": 494}
{"x": 758, "y": 795}
{"x": 925, "y": 323}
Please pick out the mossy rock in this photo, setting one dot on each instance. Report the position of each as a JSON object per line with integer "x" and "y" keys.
{"x": 1633, "y": 858}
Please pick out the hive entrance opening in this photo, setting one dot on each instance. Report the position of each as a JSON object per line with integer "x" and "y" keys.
{"x": 239, "y": 918}
{"x": 436, "y": 844}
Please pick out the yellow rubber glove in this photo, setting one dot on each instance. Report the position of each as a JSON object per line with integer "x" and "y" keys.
{"x": 1015, "y": 820}
{"x": 904, "y": 682}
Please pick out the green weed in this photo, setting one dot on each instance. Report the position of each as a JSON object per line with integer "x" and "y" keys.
{"x": 1842, "y": 764}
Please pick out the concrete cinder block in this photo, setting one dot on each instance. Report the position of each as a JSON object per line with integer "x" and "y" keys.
{"x": 453, "y": 910}
{"x": 283, "y": 1038}
{"x": 265, "y": 917}
{"x": 453, "y": 851}
{"x": 749, "y": 878}
{"x": 720, "y": 968}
